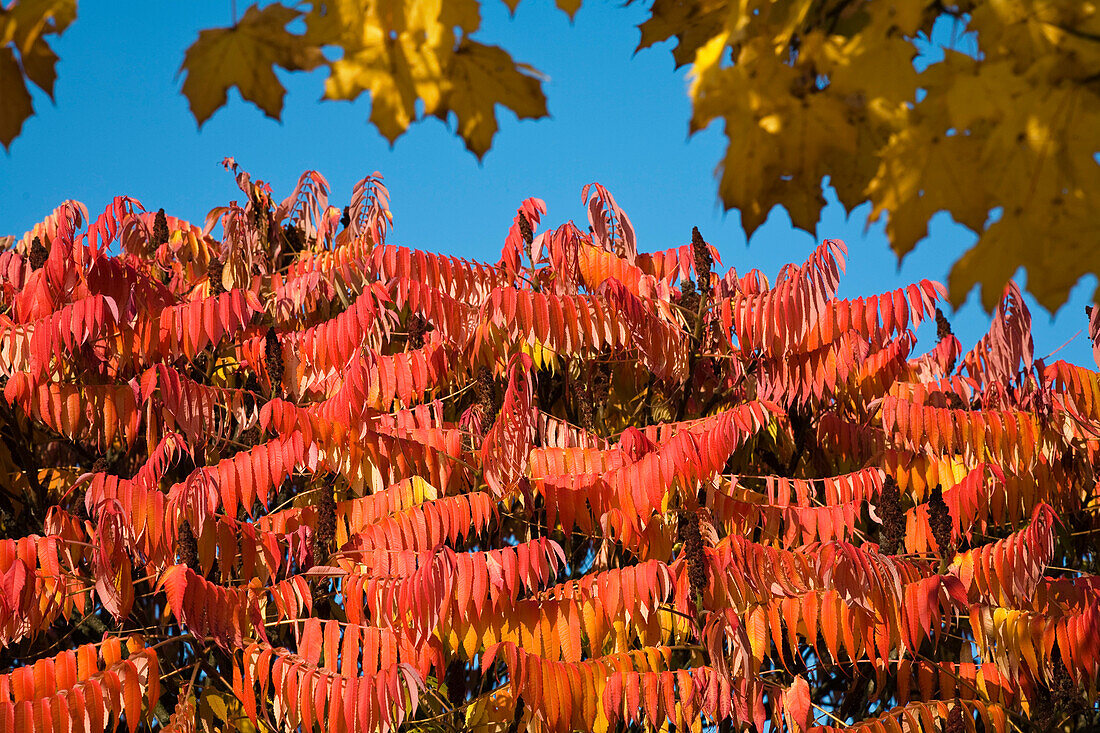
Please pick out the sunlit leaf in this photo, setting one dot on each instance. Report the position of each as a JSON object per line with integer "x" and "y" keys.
{"x": 245, "y": 56}
{"x": 482, "y": 77}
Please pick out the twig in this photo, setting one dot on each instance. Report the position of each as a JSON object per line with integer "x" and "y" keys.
{"x": 829, "y": 715}
{"x": 1067, "y": 343}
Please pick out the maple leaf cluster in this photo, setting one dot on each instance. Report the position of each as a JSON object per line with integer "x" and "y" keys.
{"x": 400, "y": 53}
{"x": 299, "y": 477}
{"x": 807, "y": 90}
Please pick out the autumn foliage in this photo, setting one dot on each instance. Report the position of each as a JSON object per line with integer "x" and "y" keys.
{"x": 301, "y": 477}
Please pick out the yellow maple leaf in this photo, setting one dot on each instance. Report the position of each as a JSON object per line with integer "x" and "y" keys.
{"x": 1053, "y": 243}
{"x": 921, "y": 173}
{"x": 849, "y": 173}
{"x": 353, "y": 25}
{"x": 782, "y": 131}
{"x": 244, "y": 56}
{"x": 28, "y": 20}
{"x": 25, "y": 54}
{"x": 569, "y": 7}
{"x": 406, "y": 54}
{"x": 692, "y": 23}
{"x": 1019, "y": 143}
{"x": 811, "y": 90}
{"x": 396, "y": 74}
{"x": 481, "y": 77}
{"x": 40, "y": 65}
{"x": 17, "y": 104}
{"x": 397, "y": 51}
{"x": 848, "y": 61}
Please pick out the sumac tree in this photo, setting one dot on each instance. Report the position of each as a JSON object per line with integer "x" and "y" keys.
{"x": 300, "y": 477}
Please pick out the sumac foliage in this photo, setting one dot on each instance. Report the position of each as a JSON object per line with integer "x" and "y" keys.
{"x": 302, "y": 477}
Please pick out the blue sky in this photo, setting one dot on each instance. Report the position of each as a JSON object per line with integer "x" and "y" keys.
{"x": 120, "y": 126}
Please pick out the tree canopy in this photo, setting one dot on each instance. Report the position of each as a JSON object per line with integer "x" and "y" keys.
{"x": 1003, "y": 138}
{"x": 296, "y": 477}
